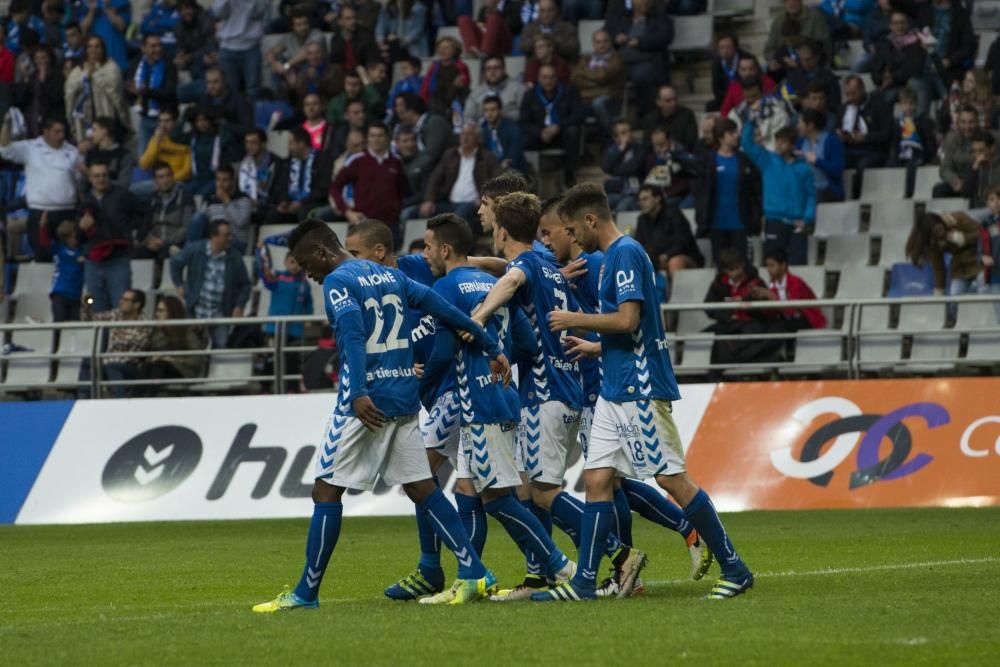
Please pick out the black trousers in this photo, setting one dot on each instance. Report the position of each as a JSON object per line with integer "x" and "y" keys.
{"x": 779, "y": 234}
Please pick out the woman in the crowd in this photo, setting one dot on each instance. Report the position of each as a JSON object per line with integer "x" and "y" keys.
{"x": 168, "y": 340}
{"x": 94, "y": 90}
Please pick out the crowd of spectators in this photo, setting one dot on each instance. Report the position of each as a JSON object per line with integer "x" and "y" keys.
{"x": 151, "y": 136}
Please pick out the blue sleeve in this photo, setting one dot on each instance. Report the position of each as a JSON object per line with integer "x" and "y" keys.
{"x": 442, "y": 356}
{"x": 523, "y": 341}
{"x": 832, "y": 162}
{"x": 753, "y": 150}
{"x": 424, "y": 298}
{"x": 308, "y": 303}
{"x": 628, "y": 275}
{"x": 349, "y": 332}
{"x": 809, "y": 184}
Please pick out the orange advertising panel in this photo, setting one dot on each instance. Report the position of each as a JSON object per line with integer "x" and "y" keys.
{"x": 842, "y": 444}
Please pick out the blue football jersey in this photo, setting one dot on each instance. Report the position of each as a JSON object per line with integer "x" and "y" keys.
{"x": 416, "y": 268}
{"x": 553, "y": 376}
{"x": 422, "y": 329}
{"x": 483, "y": 401}
{"x": 636, "y": 365}
{"x": 586, "y": 292}
{"x": 544, "y": 251}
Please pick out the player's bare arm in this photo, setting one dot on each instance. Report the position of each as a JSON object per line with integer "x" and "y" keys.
{"x": 499, "y": 295}
{"x": 624, "y": 320}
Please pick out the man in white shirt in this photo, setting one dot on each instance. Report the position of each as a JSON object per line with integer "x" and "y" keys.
{"x": 51, "y": 178}
{"x": 456, "y": 182}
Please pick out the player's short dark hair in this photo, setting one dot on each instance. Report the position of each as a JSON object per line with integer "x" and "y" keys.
{"x": 138, "y": 296}
{"x": 148, "y": 36}
{"x": 985, "y": 137}
{"x": 301, "y": 12}
{"x": 215, "y": 225}
{"x": 730, "y": 258}
{"x": 225, "y": 169}
{"x": 968, "y": 108}
{"x": 504, "y": 184}
{"x": 722, "y": 127}
{"x": 583, "y": 199}
{"x": 413, "y": 102}
{"x": 653, "y": 190}
{"x": 160, "y": 166}
{"x": 818, "y": 87}
{"x": 300, "y": 134}
{"x": 493, "y": 99}
{"x": 551, "y": 204}
{"x": 354, "y": 103}
{"x": 518, "y": 213}
{"x": 53, "y": 120}
{"x": 777, "y": 254}
{"x": 787, "y": 134}
{"x": 751, "y": 83}
{"x": 378, "y": 125}
{"x": 107, "y": 123}
{"x": 415, "y": 63}
{"x": 260, "y": 134}
{"x": 729, "y": 35}
{"x": 813, "y": 117}
{"x": 372, "y": 232}
{"x": 452, "y": 230}
{"x": 313, "y": 232}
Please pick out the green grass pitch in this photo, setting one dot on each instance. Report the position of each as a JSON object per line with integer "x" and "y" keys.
{"x": 839, "y": 588}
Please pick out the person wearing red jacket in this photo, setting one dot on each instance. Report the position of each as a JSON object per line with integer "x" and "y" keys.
{"x": 747, "y": 69}
{"x": 785, "y": 286}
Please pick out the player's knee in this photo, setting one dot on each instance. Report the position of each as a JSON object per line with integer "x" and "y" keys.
{"x": 543, "y": 494}
{"x": 679, "y": 486}
{"x": 326, "y": 493}
{"x": 465, "y": 487}
{"x": 418, "y": 492}
{"x": 599, "y": 483}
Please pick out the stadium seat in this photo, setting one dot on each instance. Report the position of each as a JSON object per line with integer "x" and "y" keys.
{"x": 31, "y": 292}
{"x": 228, "y": 373}
{"x": 515, "y": 66}
{"x": 475, "y": 66}
{"x": 627, "y": 221}
{"x": 848, "y": 250}
{"x": 927, "y": 177}
{"x": 691, "y": 285}
{"x": 24, "y": 372}
{"x": 946, "y": 205}
{"x": 167, "y": 281}
{"x": 692, "y": 35}
{"x": 814, "y": 276}
{"x": 885, "y": 183}
{"x": 732, "y": 10}
{"x": 984, "y": 344}
{"x": 877, "y": 352}
{"x": 277, "y": 143}
{"x": 941, "y": 347}
{"x": 891, "y": 215}
{"x": 689, "y": 215}
{"x": 849, "y": 192}
{"x": 861, "y": 282}
{"x": 251, "y": 265}
{"x": 448, "y": 31}
{"x": 413, "y": 231}
{"x": 909, "y": 280}
{"x": 74, "y": 344}
{"x": 705, "y": 246}
{"x": 263, "y": 301}
{"x": 893, "y": 248}
{"x": 852, "y": 53}
{"x": 143, "y": 275}
{"x": 585, "y": 30}
{"x": 838, "y": 218}
{"x": 695, "y": 356}
{"x": 816, "y": 351}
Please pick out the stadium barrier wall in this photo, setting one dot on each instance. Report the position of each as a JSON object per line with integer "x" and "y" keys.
{"x": 780, "y": 445}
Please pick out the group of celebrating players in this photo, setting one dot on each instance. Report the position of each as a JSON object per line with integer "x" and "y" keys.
{"x": 575, "y": 310}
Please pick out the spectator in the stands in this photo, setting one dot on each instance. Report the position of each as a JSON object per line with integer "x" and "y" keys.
{"x": 355, "y": 120}
{"x": 914, "y": 142}
{"x": 624, "y": 165}
{"x": 433, "y": 133}
{"x": 196, "y": 45}
{"x": 353, "y": 90}
{"x": 50, "y": 166}
{"x": 109, "y": 219}
{"x": 725, "y": 68}
{"x": 811, "y": 25}
{"x": 212, "y": 279}
{"x": 769, "y": 114}
{"x": 789, "y": 193}
{"x": 409, "y": 81}
{"x": 811, "y": 70}
{"x": 291, "y": 47}
{"x": 312, "y": 119}
{"x": 313, "y": 75}
{"x": 989, "y": 247}
{"x": 212, "y": 146}
{"x": 984, "y": 174}
{"x": 228, "y": 204}
{"x": 379, "y": 183}
{"x": 956, "y": 154}
{"x": 728, "y": 195}
{"x": 67, "y": 279}
{"x": 290, "y": 293}
{"x": 492, "y": 34}
{"x": 501, "y": 136}
{"x": 678, "y": 120}
{"x": 170, "y": 213}
{"x": 815, "y": 99}
{"x": 352, "y": 47}
{"x": 229, "y": 106}
{"x": 164, "y": 148}
{"x": 170, "y": 340}
{"x": 954, "y": 50}
{"x": 548, "y": 22}
{"x": 825, "y": 154}
{"x": 551, "y": 117}
{"x": 544, "y": 53}
{"x": 301, "y": 182}
{"x": 22, "y": 19}
{"x": 73, "y": 47}
{"x": 935, "y": 237}
{"x": 665, "y": 233}
{"x": 642, "y": 40}
{"x": 974, "y": 90}
{"x": 108, "y": 20}
{"x": 94, "y": 90}
{"x": 874, "y": 29}
{"x": 457, "y": 180}
{"x": 41, "y": 95}
{"x": 353, "y": 146}
{"x": 668, "y": 167}
{"x": 256, "y": 173}
{"x": 379, "y": 82}
{"x": 749, "y": 69}
{"x": 786, "y": 286}
{"x": 120, "y": 340}
{"x": 162, "y": 20}
{"x": 407, "y": 151}
{"x": 102, "y": 147}
{"x": 495, "y": 83}
{"x": 845, "y": 18}
{"x": 239, "y": 28}
{"x": 447, "y": 80}
{"x": 150, "y": 86}
{"x": 899, "y": 61}
{"x": 400, "y": 28}
{"x": 865, "y": 128}
{"x": 601, "y": 81}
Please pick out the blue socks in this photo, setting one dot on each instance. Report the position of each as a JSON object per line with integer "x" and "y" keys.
{"x": 444, "y": 519}
{"x": 702, "y": 515}
{"x": 534, "y": 566}
{"x": 324, "y": 529}
{"x": 623, "y": 517}
{"x": 598, "y": 517}
{"x": 653, "y": 505}
{"x": 430, "y": 546}
{"x": 473, "y": 516}
{"x": 567, "y": 513}
{"x": 527, "y": 531}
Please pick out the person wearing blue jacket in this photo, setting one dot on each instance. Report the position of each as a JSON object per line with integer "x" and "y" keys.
{"x": 290, "y": 292}
{"x": 789, "y": 193}
{"x": 161, "y": 20}
{"x": 846, "y": 17}
{"x": 825, "y": 152}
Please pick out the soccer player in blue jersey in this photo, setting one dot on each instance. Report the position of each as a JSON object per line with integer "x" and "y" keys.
{"x": 489, "y": 411}
{"x": 551, "y": 391}
{"x": 629, "y": 495}
{"x": 633, "y": 433}
{"x": 374, "y": 430}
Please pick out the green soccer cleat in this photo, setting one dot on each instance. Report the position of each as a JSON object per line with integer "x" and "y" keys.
{"x": 725, "y": 589}
{"x": 465, "y": 590}
{"x": 286, "y": 601}
{"x": 415, "y": 586}
{"x": 532, "y": 583}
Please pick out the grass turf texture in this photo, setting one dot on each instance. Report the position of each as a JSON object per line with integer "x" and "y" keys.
{"x": 850, "y": 587}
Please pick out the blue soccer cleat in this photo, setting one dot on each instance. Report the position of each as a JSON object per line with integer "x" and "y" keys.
{"x": 564, "y": 592}
{"x": 416, "y": 585}
{"x": 286, "y": 601}
{"x": 725, "y": 589}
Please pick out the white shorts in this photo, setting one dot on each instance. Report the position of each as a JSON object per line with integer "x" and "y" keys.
{"x": 638, "y": 439}
{"x": 352, "y": 456}
{"x": 488, "y": 456}
{"x": 546, "y": 436}
{"x": 440, "y": 430}
{"x": 583, "y": 434}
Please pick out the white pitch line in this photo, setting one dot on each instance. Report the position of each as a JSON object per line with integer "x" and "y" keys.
{"x": 855, "y": 570}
